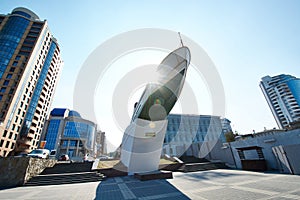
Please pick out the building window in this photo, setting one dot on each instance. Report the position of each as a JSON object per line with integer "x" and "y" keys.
{"x": 18, "y": 57}
{"x": 15, "y": 63}
{"x": 4, "y": 134}
{"x": 2, "y": 90}
{"x": 10, "y": 135}
{"x": 2, "y": 114}
{"x": 7, "y": 144}
{"x": 9, "y": 76}
{"x": 1, "y": 143}
{"x": 6, "y": 82}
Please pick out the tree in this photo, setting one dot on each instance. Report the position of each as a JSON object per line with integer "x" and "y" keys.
{"x": 229, "y": 136}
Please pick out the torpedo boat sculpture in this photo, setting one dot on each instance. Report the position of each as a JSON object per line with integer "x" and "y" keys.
{"x": 143, "y": 139}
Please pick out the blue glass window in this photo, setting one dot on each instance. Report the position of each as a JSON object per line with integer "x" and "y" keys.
{"x": 6, "y": 82}
{"x": 10, "y": 37}
{"x": 79, "y": 130}
{"x": 22, "y": 13}
{"x": 52, "y": 134}
{"x": 294, "y": 86}
{"x": 38, "y": 89}
{"x": 2, "y": 90}
{"x": 9, "y": 76}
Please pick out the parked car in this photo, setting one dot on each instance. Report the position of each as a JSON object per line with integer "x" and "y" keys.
{"x": 52, "y": 154}
{"x": 104, "y": 157}
{"x": 87, "y": 157}
{"x": 39, "y": 153}
{"x": 64, "y": 157}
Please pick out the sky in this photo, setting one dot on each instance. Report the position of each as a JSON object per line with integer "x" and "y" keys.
{"x": 246, "y": 40}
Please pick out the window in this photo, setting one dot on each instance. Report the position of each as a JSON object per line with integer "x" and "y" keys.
{"x": 12, "y": 69}
{"x": 6, "y": 82}
{"x": 1, "y": 96}
{"x": 10, "y": 135}
{"x": 15, "y": 63}
{"x": 1, "y": 143}
{"x": 2, "y": 114}
{"x": 4, "y": 134}
{"x": 9, "y": 76}
{"x": 2, "y": 90}
{"x": 7, "y": 144}
{"x": 18, "y": 57}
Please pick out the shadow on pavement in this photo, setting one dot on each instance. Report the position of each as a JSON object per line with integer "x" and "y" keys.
{"x": 128, "y": 187}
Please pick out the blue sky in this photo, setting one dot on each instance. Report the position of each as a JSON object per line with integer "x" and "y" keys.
{"x": 245, "y": 39}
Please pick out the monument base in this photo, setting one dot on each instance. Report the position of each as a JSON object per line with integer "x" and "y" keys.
{"x": 153, "y": 175}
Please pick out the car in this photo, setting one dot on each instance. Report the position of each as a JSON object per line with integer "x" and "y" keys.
{"x": 39, "y": 153}
{"x": 104, "y": 157}
{"x": 87, "y": 157}
{"x": 64, "y": 157}
{"x": 52, "y": 154}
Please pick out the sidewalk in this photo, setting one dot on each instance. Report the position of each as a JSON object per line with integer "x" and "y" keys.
{"x": 214, "y": 184}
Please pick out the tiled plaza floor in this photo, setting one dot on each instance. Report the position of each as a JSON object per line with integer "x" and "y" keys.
{"x": 214, "y": 184}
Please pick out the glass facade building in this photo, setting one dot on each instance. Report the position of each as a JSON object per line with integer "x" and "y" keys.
{"x": 68, "y": 133}
{"x": 282, "y": 93}
{"x": 186, "y": 130}
{"x": 30, "y": 65}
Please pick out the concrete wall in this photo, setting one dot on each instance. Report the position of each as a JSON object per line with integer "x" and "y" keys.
{"x": 291, "y": 152}
{"x": 267, "y": 141}
{"x": 15, "y": 171}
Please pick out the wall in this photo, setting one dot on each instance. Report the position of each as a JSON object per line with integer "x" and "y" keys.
{"x": 15, "y": 171}
{"x": 267, "y": 141}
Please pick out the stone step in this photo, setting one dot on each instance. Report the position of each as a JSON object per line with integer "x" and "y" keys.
{"x": 192, "y": 167}
{"x": 192, "y": 159}
{"x": 62, "y": 168}
{"x": 66, "y": 177}
{"x": 70, "y": 178}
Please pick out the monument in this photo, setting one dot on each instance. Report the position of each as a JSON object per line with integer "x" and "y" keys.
{"x": 143, "y": 139}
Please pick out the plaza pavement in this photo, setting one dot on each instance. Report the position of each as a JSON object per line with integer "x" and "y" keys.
{"x": 213, "y": 184}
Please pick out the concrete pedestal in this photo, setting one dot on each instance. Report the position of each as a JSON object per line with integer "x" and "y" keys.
{"x": 142, "y": 145}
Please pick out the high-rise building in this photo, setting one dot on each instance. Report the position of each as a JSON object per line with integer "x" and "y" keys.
{"x": 100, "y": 143}
{"x": 30, "y": 66}
{"x": 282, "y": 93}
{"x": 68, "y": 133}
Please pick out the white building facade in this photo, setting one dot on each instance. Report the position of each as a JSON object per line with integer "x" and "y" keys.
{"x": 282, "y": 93}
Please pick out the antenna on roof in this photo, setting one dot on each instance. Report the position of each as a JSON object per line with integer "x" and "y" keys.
{"x": 180, "y": 39}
